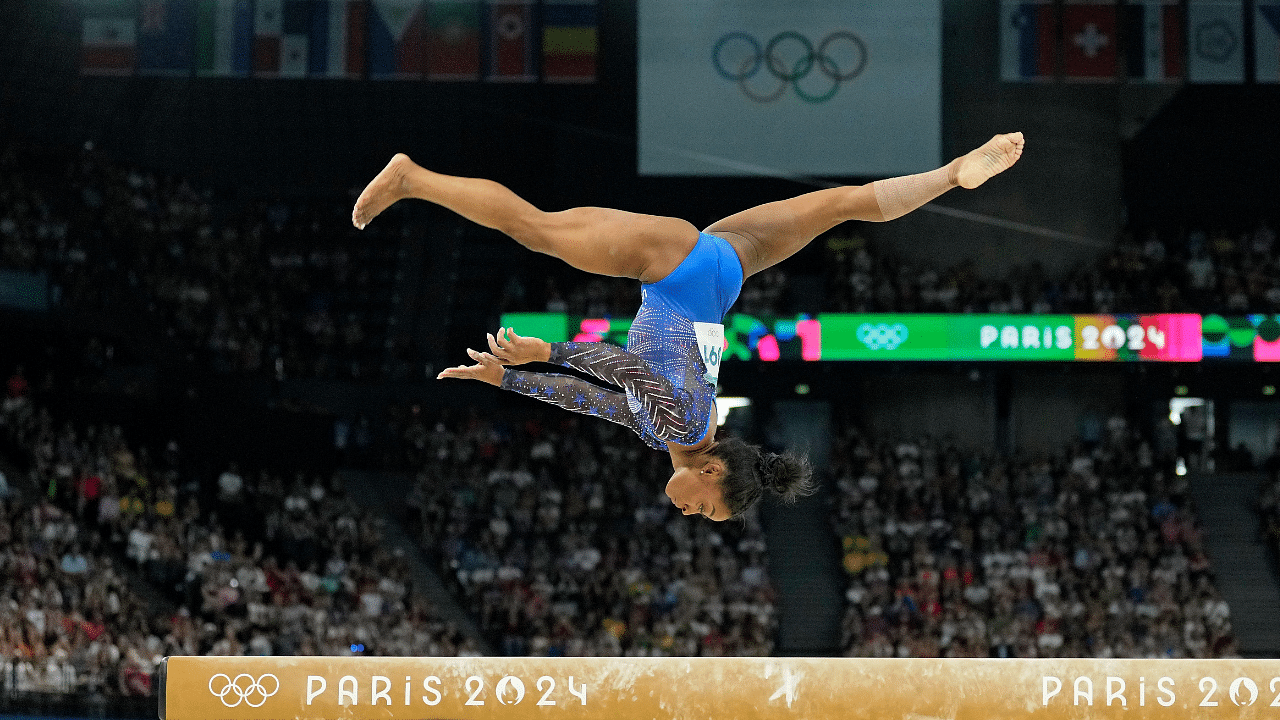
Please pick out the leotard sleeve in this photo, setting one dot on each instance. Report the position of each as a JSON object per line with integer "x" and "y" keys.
{"x": 674, "y": 414}
{"x": 572, "y": 394}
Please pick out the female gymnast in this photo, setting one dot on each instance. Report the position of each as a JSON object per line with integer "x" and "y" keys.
{"x": 689, "y": 279}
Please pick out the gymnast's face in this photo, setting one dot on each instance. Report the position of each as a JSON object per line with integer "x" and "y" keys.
{"x": 696, "y": 491}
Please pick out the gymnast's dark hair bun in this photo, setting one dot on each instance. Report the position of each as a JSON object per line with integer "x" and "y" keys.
{"x": 789, "y": 475}
{"x": 749, "y": 471}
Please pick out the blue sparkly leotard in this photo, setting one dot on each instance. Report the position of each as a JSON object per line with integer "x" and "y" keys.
{"x": 667, "y": 395}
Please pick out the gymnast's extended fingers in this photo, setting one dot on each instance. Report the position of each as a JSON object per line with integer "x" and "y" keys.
{"x": 461, "y": 371}
{"x": 507, "y": 341}
{"x": 495, "y": 346}
{"x": 467, "y": 371}
{"x": 483, "y": 359}
{"x": 522, "y": 349}
{"x": 487, "y": 368}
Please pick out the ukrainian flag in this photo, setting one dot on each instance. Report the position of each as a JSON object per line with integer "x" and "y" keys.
{"x": 569, "y": 40}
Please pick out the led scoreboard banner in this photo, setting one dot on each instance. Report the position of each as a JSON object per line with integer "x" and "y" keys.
{"x": 1181, "y": 337}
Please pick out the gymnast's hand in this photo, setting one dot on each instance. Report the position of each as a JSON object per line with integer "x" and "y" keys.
{"x": 512, "y": 349}
{"x": 487, "y": 369}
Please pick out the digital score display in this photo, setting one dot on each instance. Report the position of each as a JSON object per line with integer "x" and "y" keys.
{"x": 1181, "y": 337}
{"x": 1169, "y": 338}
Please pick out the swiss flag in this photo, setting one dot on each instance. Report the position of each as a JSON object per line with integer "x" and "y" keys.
{"x": 1089, "y": 40}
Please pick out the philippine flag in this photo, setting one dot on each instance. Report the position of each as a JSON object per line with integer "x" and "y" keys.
{"x": 1266, "y": 42}
{"x": 1028, "y": 40}
{"x": 1154, "y": 44}
{"x": 397, "y": 39}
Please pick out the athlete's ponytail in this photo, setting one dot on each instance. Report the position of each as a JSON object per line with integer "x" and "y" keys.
{"x": 749, "y": 470}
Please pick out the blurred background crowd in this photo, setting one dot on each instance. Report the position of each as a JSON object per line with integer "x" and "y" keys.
{"x": 220, "y": 433}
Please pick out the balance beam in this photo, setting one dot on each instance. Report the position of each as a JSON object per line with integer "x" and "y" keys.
{"x": 493, "y": 688}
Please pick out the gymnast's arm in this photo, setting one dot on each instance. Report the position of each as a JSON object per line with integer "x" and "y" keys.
{"x": 564, "y": 391}
{"x": 572, "y": 394}
{"x": 609, "y": 363}
{"x": 676, "y": 416}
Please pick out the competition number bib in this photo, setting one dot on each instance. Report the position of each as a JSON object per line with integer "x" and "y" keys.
{"x": 710, "y": 338}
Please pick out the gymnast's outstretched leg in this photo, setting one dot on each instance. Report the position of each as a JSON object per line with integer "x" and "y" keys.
{"x": 768, "y": 234}
{"x": 597, "y": 240}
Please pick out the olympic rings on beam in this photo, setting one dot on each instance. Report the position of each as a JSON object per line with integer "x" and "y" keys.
{"x": 786, "y": 72}
{"x": 253, "y": 693}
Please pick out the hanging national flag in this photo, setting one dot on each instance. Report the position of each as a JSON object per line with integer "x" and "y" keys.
{"x": 296, "y": 35}
{"x": 453, "y": 39}
{"x": 224, "y": 38}
{"x": 397, "y": 39}
{"x": 510, "y": 41}
{"x": 322, "y": 38}
{"x": 1153, "y": 40}
{"x": 166, "y": 37}
{"x": 108, "y": 37}
{"x": 1028, "y": 38}
{"x": 569, "y": 40}
{"x": 343, "y": 28}
{"x": 1215, "y": 32}
{"x": 267, "y": 30}
{"x": 1266, "y": 42}
{"x": 1089, "y": 40}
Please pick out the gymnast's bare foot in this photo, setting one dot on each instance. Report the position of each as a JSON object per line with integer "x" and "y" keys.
{"x": 388, "y": 187}
{"x": 997, "y": 155}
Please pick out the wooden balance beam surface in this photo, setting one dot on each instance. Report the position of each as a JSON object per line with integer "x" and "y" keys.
{"x": 293, "y": 688}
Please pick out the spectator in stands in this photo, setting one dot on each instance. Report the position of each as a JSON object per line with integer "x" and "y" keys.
{"x": 1088, "y": 554}
{"x": 1269, "y": 503}
{"x": 17, "y": 386}
{"x": 70, "y": 623}
{"x": 283, "y": 287}
{"x": 230, "y": 489}
{"x": 559, "y": 563}
{"x": 240, "y": 284}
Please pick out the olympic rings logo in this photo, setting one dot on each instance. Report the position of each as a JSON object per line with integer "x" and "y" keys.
{"x": 882, "y": 336}
{"x": 254, "y": 691}
{"x": 789, "y": 57}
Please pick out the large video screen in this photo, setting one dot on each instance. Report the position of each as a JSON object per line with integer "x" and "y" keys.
{"x": 809, "y": 87}
{"x": 1180, "y": 337}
